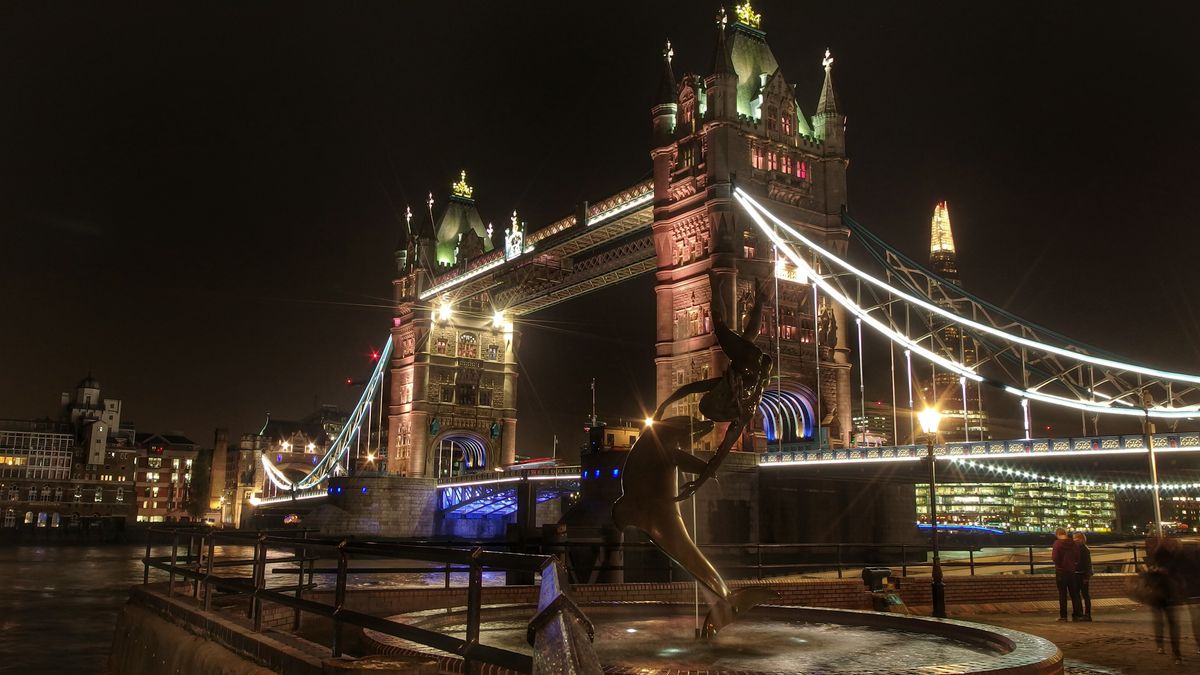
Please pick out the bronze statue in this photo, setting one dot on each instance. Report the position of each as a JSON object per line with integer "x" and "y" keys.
{"x": 650, "y": 482}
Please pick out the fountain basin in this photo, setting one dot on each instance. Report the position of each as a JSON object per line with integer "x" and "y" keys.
{"x": 644, "y": 637}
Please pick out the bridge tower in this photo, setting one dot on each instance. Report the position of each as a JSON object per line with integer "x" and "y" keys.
{"x": 742, "y": 126}
{"x": 452, "y": 394}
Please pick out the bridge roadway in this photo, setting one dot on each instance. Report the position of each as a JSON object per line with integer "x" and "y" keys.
{"x": 578, "y": 254}
{"x": 1081, "y": 458}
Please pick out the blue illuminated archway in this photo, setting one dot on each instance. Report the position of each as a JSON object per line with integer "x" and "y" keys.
{"x": 471, "y": 447}
{"x": 787, "y": 413}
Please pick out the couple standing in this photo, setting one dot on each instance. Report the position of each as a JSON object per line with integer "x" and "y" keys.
{"x": 1072, "y": 572}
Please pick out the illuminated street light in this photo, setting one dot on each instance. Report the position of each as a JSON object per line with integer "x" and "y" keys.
{"x": 286, "y": 446}
{"x": 445, "y": 311}
{"x": 649, "y": 422}
{"x": 311, "y": 447}
{"x": 929, "y": 419}
{"x": 498, "y": 320}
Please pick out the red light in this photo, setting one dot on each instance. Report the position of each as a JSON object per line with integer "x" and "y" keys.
{"x": 349, "y": 380}
{"x": 374, "y": 356}
{"x": 1047, "y": 427}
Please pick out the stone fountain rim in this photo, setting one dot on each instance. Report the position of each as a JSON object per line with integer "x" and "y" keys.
{"x": 1019, "y": 652}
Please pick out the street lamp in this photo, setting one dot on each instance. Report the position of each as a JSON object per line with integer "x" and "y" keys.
{"x": 930, "y": 418}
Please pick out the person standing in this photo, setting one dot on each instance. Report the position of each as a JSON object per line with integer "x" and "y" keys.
{"x": 1164, "y": 576}
{"x": 1083, "y": 574}
{"x": 1066, "y": 557}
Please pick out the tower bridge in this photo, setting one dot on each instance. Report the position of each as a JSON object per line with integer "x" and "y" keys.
{"x": 746, "y": 187}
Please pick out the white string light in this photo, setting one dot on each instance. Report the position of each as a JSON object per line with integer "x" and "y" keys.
{"x": 1011, "y": 473}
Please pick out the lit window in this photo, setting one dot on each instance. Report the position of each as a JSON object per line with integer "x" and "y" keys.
{"x": 468, "y": 346}
{"x": 99, "y": 494}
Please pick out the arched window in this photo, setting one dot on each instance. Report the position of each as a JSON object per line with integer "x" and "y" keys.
{"x": 468, "y": 346}
{"x": 10, "y": 518}
{"x": 55, "y": 519}
{"x": 29, "y": 517}
{"x": 42, "y": 519}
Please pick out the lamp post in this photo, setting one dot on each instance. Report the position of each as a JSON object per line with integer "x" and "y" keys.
{"x": 930, "y": 418}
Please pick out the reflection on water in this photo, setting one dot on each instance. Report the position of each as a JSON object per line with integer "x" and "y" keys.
{"x": 751, "y": 644}
{"x": 59, "y": 604}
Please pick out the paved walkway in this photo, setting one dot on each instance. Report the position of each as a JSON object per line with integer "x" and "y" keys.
{"x": 1120, "y": 639}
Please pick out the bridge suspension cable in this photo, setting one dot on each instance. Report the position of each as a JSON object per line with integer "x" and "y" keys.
{"x": 349, "y": 435}
{"x": 1114, "y": 371}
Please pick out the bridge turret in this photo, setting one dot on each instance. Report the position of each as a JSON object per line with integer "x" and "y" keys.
{"x": 665, "y": 108}
{"x": 721, "y": 85}
{"x": 829, "y": 124}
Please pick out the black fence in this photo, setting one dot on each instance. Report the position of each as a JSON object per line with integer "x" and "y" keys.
{"x": 193, "y": 558}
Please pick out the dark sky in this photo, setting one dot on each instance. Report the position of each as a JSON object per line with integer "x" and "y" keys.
{"x": 199, "y": 201}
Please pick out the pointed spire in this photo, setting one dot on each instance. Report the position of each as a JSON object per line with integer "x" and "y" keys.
{"x": 722, "y": 64}
{"x": 941, "y": 239}
{"x": 666, "y": 90}
{"x": 828, "y": 103}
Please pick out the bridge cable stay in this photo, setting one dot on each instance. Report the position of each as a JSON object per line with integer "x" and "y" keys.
{"x": 340, "y": 446}
{"x": 1048, "y": 368}
{"x": 834, "y": 285}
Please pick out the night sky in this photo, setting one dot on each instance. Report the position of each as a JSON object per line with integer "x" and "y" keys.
{"x": 199, "y": 202}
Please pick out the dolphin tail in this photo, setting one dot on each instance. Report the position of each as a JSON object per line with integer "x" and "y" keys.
{"x": 723, "y": 611}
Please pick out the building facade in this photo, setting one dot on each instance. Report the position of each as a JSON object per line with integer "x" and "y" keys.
{"x": 960, "y": 401}
{"x": 1022, "y": 507}
{"x": 90, "y": 469}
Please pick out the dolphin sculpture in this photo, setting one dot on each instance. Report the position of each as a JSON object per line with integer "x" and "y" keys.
{"x": 650, "y": 478}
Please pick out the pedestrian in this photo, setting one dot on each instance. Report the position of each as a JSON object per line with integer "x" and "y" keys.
{"x": 1164, "y": 576}
{"x": 1066, "y": 557}
{"x": 1083, "y": 574}
{"x": 1191, "y": 585}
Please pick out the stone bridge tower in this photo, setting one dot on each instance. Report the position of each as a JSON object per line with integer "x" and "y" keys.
{"x": 741, "y": 125}
{"x": 452, "y": 390}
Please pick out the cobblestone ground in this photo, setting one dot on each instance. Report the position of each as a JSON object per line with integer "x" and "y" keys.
{"x": 1118, "y": 640}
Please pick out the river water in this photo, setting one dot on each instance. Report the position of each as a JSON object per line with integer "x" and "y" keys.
{"x": 59, "y": 604}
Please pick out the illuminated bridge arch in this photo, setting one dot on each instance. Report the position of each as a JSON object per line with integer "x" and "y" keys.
{"x": 468, "y": 446}
{"x": 786, "y": 413}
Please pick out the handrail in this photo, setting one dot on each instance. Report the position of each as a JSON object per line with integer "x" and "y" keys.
{"x": 198, "y": 569}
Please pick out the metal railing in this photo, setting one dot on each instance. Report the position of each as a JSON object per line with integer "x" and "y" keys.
{"x": 199, "y": 561}
{"x": 766, "y": 561}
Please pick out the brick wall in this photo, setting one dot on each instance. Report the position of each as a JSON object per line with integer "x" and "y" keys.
{"x": 999, "y": 588}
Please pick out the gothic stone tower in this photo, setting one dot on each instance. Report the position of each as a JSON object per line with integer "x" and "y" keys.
{"x": 741, "y": 125}
{"x": 453, "y": 375}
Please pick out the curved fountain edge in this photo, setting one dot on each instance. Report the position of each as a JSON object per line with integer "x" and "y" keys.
{"x": 1024, "y": 654}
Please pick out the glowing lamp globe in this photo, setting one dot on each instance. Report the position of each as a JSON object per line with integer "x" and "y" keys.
{"x": 930, "y": 418}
